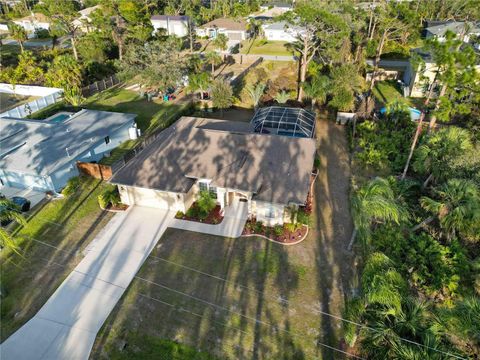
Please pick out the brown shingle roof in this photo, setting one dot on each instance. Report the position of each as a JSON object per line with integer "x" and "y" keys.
{"x": 229, "y": 24}
{"x": 275, "y": 168}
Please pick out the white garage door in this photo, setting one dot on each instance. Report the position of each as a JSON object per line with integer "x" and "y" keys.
{"x": 234, "y": 35}
{"x": 153, "y": 198}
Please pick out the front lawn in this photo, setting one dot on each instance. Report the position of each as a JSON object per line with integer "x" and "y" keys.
{"x": 388, "y": 91}
{"x": 61, "y": 229}
{"x": 265, "y": 47}
{"x": 245, "y": 298}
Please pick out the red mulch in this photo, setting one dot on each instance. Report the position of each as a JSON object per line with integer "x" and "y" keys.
{"x": 119, "y": 207}
{"x": 287, "y": 237}
{"x": 215, "y": 217}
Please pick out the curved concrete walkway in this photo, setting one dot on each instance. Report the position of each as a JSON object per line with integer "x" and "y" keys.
{"x": 66, "y": 326}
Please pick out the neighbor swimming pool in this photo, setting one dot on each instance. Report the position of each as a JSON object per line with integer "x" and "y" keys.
{"x": 57, "y": 118}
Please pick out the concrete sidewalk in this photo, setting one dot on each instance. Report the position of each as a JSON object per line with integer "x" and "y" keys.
{"x": 231, "y": 226}
{"x": 66, "y": 326}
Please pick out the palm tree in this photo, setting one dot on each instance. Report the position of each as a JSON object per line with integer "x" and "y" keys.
{"x": 222, "y": 95}
{"x": 434, "y": 157}
{"x": 282, "y": 97}
{"x": 213, "y": 59}
{"x": 374, "y": 202}
{"x": 256, "y": 93}
{"x": 457, "y": 208}
{"x": 464, "y": 319}
{"x": 9, "y": 213}
{"x": 317, "y": 89}
{"x": 199, "y": 82}
{"x": 73, "y": 95}
{"x": 220, "y": 42}
{"x": 18, "y": 33}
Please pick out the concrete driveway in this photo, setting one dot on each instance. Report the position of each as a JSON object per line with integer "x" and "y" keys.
{"x": 66, "y": 326}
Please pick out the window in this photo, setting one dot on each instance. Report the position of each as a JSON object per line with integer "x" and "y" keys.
{"x": 203, "y": 186}
{"x": 107, "y": 139}
{"x": 213, "y": 191}
{"x": 270, "y": 212}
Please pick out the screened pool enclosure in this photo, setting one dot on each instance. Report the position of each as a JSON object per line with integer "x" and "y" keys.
{"x": 285, "y": 121}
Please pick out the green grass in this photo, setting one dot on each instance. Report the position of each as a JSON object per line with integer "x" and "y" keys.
{"x": 29, "y": 279}
{"x": 9, "y": 54}
{"x": 263, "y": 47}
{"x": 151, "y": 114}
{"x": 153, "y": 348}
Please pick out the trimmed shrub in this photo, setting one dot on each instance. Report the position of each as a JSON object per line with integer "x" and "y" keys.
{"x": 303, "y": 217}
{"x": 108, "y": 197}
{"x": 278, "y": 229}
{"x": 179, "y": 214}
{"x": 72, "y": 186}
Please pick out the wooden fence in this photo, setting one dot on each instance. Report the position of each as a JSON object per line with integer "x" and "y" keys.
{"x": 100, "y": 85}
{"x": 97, "y": 171}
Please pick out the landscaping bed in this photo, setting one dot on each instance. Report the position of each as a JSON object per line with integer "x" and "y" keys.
{"x": 286, "y": 234}
{"x": 214, "y": 217}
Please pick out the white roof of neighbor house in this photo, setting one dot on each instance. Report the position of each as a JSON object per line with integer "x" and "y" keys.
{"x": 40, "y": 146}
{"x": 439, "y": 29}
{"x": 283, "y": 25}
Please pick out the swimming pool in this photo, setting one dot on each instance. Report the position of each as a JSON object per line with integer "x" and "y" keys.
{"x": 57, "y": 118}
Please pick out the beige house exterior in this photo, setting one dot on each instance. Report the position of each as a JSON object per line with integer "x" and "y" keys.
{"x": 271, "y": 173}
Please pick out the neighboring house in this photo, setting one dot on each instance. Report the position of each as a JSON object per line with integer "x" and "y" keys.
{"x": 420, "y": 77}
{"x": 83, "y": 22}
{"x": 269, "y": 12}
{"x": 33, "y": 22}
{"x": 437, "y": 29}
{"x": 235, "y": 30}
{"x": 42, "y": 154}
{"x": 281, "y": 31}
{"x": 173, "y": 25}
{"x": 272, "y": 173}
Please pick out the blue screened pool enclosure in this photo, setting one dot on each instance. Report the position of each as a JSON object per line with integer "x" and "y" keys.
{"x": 277, "y": 120}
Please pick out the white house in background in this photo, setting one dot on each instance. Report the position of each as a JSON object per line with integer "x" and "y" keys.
{"x": 173, "y": 25}
{"x": 83, "y": 21}
{"x": 269, "y": 12}
{"x": 33, "y": 22}
{"x": 437, "y": 29}
{"x": 235, "y": 30}
{"x": 42, "y": 154}
{"x": 279, "y": 7}
{"x": 281, "y": 31}
{"x": 270, "y": 173}
{"x": 418, "y": 79}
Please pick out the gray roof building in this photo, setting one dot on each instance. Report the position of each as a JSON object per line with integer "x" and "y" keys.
{"x": 41, "y": 146}
{"x": 276, "y": 169}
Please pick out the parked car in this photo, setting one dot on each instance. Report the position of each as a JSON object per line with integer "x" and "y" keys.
{"x": 22, "y": 203}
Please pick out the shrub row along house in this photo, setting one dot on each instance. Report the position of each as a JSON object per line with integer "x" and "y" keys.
{"x": 42, "y": 154}
{"x": 271, "y": 173}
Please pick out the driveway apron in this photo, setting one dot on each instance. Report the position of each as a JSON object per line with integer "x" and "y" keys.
{"x": 66, "y": 326}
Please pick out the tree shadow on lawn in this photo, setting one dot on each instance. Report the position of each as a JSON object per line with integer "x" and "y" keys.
{"x": 29, "y": 279}
{"x": 332, "y": 230}
{"x": 233, "y": 319}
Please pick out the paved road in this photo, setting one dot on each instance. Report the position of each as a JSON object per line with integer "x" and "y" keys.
{"x": 66, "y": 326}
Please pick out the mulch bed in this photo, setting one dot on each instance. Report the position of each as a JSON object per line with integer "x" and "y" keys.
{"x": 214, "y": 217}
{"x": 115, "y": 208}
{"x": 287, "y": 237}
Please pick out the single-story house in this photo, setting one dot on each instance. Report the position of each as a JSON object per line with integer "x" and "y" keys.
{"x": 173, "y": 25}
{"x": 33, "y": 22}
{"x": 235, "y": 30}
{"x": 84, "y": 20}
{"x": 42, "y": 154}
{"x": 271, "y": 173}
{"x": 268, "y": 12}
{"x": 281, "y": 31}
{"x": 437, "y": 29}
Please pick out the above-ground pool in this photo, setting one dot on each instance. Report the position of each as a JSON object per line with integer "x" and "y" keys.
{"x": 60, "y": 117}
{"x": 414, "y": 113}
